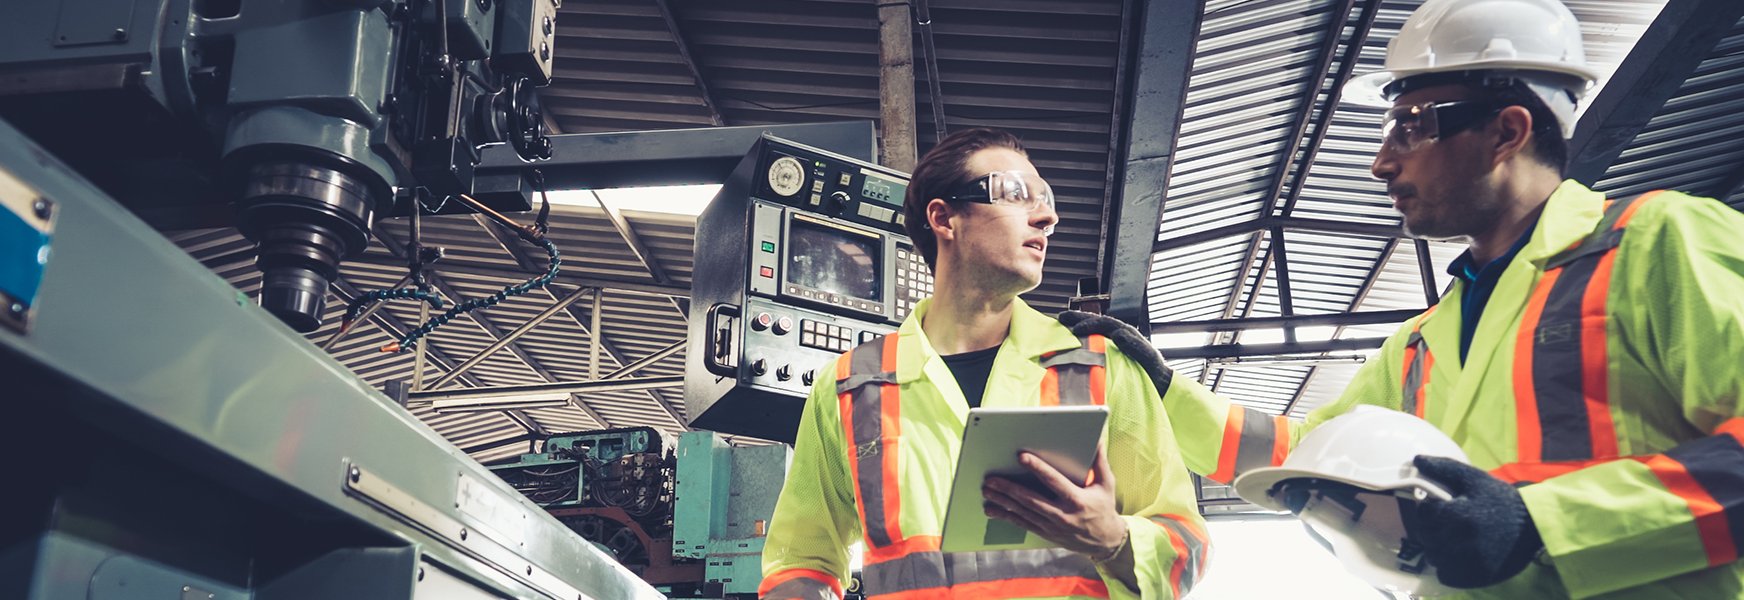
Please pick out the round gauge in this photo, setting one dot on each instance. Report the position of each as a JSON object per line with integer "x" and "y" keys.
{"x": 786, "y": 176}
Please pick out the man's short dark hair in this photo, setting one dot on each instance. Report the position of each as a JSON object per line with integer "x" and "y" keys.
{"x": 1548, "y": 147}
{"x": 944, "y": 167}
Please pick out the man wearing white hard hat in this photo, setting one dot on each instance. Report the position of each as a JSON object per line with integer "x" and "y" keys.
{"x": 1587, "y": 360}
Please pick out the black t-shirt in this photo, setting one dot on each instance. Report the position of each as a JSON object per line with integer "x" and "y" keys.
{"x": 971, "y": 369}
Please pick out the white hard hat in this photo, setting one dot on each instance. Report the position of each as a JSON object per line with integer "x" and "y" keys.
{"x": 1536, "y": 41}
{"x": 1365, "y": 488}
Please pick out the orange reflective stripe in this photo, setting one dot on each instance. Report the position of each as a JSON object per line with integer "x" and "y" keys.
{"x": 1536, "y": 472}
{"x": 919, "y": 543}
{"x": 1280, "y": 440}
{"x": 1733, "y": 427}
{"x": 1007, "y": 588}
{"x": 1050, "y": 388}
{"x": 1531, "y": 440}
{"x": 1629, "y": 213}
{"x": 1595, "y": 367}
{"x": 769, "y": 583}
{"x": 1710, "y": 515}
{"x": 1098, "y": 375}
{"x": 1231, "y": 446}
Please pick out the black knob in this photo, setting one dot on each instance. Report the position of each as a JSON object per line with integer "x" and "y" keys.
{"x": 808, "y": 377}
{"x": 759, "y": 367}
{"x": 784, "y": 373}
{"x": 783, "y": 325}
{"x": 839, "y": 200}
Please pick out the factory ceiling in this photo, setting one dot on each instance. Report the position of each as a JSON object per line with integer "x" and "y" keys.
{"x": 1205, "y": 168}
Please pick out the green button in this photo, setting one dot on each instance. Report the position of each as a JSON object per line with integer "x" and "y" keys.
{"x": 768, "y": 246}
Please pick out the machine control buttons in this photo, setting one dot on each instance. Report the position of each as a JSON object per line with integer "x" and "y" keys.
{"x": 784, "y": 373}
{"x": 846, "y": 177}
{"x": 783, "y": 325}
{"x": 762, "y": 321}
{"x": 768, "y": 272}
{"x": 824, "y": 336}
{"x": 867, "y": 336}
{"x": 786, "y": 176}
{"x": 808, "y": 377}
{"x": 839, "y": 200}
{"x": 817, "y": 186}
{"x": 769, "y": 247}
{"x": 817, "y": 199}
{"x": 759, "y": 367}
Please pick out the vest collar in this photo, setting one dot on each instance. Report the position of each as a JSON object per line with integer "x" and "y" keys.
{"x": 1032, "y": 335}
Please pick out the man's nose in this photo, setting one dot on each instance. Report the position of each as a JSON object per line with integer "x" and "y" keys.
{"x": 1386, "y": 165}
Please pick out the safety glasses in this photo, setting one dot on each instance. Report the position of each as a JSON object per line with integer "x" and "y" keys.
{"x": 1407, "y": 128}
{"x": 1006, "y": 188}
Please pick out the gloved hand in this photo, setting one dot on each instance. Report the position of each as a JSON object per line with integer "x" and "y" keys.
{"x": 1484, "y": 535}
{"x": 1131, "y": 343}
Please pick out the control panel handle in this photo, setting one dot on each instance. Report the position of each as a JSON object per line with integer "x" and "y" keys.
{"x": 720, "y": 351}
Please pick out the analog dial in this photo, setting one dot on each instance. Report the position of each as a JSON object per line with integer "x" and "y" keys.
{"x": 786, "y": 176}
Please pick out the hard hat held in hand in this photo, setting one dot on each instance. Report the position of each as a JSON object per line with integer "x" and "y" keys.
{"x": 1537, "y": 41}
{"x": 1352, "y": 481}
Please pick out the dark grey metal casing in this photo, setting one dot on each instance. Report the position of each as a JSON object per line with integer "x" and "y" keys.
{"x": 747, "y": 377}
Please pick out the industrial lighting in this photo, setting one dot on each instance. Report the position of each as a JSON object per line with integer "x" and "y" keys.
{"x": 671, "y": 199}
{"x": 461, "y": 405}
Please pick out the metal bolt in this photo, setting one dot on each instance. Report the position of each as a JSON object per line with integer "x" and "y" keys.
{"x": 43, "y": 207}
{"x": 529, "y": 570}
{"x": 463, "y": 534}
{"x": 420, "y": 573}
{"x": 356, "y": 474}
{"x": 17, "y": 309}
{"x": 121, "y": 34}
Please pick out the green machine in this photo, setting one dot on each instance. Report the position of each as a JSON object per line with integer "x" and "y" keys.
{"x": 688, "y": 515}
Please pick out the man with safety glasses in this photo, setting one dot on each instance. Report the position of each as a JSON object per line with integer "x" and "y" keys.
{"x": 1587, "y": 359}
{"x": 877, "y": 444}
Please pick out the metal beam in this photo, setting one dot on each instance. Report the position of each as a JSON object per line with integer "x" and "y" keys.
{"x": 635, "y": 241}
{"x": 362, "y": 316}
{"x": 507, "y": 273}
{"x": 1310, "y": 100}
{"x": 670, "y": 156}
{"x": 504, "y": 340}
{"x": 930, "y": 54}
{"x": 651, "y": 358}
{"x": 1226, "y": 231}
{"x": 1336, "y": 319}
{"x": 492, "y": 330}
{"x": 1352, "y": 52}
{"x": 1729, "y": 186}
{"x": 1286, "y": 303}
{"x": 1168, "y": 31}
{"x": 1116, "y": 127}
{"x": 544, "y": 389}
{"x": 1684, "y": 34}
{"x": 617, "y": 355}
{"x": 708, "y": 99}
{"x": 1234, "y": 350}
{"x": 509, "y": 241}
{"x": 1426, "y": 272}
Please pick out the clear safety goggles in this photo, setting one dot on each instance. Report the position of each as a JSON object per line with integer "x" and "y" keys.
{"x": 1404, "y": 129}
{"x": 1007, "y": 188}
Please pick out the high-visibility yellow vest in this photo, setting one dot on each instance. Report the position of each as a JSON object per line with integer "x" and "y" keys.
{"x": 1605, "y": 377}
{"x": 874, "y": 457}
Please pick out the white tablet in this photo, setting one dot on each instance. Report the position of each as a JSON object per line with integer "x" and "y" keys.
{"x": 1063, "y": 436}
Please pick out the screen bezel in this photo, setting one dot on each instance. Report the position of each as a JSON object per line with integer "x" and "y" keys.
{"x": 876, "y": 239}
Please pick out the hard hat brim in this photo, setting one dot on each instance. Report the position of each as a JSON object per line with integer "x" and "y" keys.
{"x": 1367, "y": 89}
{"x": 1255, "y": 486}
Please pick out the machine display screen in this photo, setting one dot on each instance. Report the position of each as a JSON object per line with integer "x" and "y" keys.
{"x": 883, "y": 190}
{"x": 834, "y": 259}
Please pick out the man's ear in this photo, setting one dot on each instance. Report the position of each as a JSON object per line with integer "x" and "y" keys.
{"x": 1513, "y": 127}
{"x": 938, "y": 215}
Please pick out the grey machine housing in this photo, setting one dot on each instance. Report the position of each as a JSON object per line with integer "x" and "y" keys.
{"x": 764, "y": 334}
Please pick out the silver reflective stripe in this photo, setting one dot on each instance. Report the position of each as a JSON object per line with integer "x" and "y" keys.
{"x": 801, "y": 588}
{"x": 1258, "y": 436}
{"x": 933, "y": 569}
{"x": 1195, "y": 558}
{"x": 1415, "y": 373}
{"x": 868, "y": 416}
{"x": 1080, "y": 356}
{"x": 855, "y": 380}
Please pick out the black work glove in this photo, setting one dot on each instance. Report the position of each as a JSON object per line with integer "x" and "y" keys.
{"x": 1483, "y": 536}
{"x": 1131, "y": 343}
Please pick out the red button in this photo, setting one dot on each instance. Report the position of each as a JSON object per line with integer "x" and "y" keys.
{"x": 766, "y": 272}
